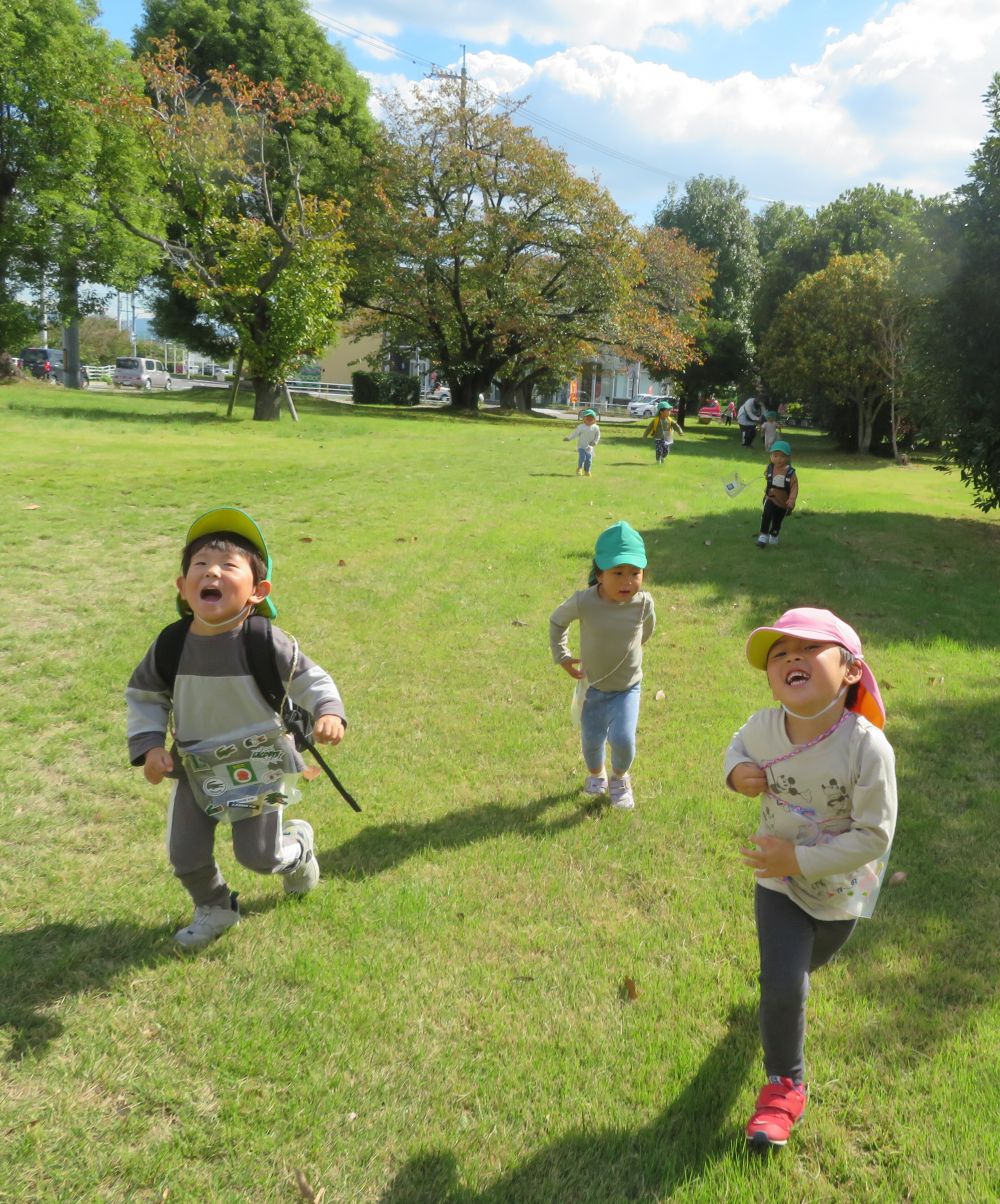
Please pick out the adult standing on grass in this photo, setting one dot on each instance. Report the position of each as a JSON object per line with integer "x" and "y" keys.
{"x": 827, "y": 778}
{"x": 616, "y": 617}
{"x": 750, "y": 416}
{"x": 232, "y": 760}
{"x": 587, "y": 435}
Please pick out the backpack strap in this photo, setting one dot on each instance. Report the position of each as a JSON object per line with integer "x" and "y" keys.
{"x": 258, "y": 641}
{"x": 167, "y": 650}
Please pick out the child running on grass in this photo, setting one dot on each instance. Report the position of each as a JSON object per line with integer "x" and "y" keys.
{"x": 231, "y": 759}
{"x": 780, "y": 493}
{"x": 826, "y": 774}
{"x": 770, "y": 429}
{"x": 661, "y": 428}
{"x": 616, "y": 618}
{"x": 587, "y": 435}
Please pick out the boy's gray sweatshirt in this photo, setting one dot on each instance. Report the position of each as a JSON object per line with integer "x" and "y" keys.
{"x": 215, "y": 695}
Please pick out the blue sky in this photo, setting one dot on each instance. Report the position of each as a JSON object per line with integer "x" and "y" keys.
{"x": 797, "y": 99}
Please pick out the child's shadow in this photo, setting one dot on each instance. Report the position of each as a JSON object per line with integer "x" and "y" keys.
{"x": 381, "y": 848}
{"x": 39, "y": 966}
{"x": 612, "y": 1166}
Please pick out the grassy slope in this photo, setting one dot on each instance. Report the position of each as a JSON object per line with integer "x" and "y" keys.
{"x": 442, "y": 1019}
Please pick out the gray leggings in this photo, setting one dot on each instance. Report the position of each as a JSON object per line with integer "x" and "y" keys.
{"x": 257, "y": 843}
{"x": 792, "y": 945}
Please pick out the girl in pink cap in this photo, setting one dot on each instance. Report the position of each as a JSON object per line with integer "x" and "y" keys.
{"x": 826, "y": 776}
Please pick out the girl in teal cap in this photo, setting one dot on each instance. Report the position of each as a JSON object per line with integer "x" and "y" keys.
{"x": 616, "y": 618}
{"x": 780, "y": 494}
{"x": 661, "y": 429}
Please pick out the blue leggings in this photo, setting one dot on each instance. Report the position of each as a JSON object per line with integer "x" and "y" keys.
{"x": 585, "y": 457}
{"x": 610, "y": 716}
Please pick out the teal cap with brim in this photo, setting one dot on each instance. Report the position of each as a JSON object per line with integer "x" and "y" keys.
{"x": 238, "y": 522}
{"x": 620, "y": 544}
{"x": 663, "y": 405}
{"x": 589, "y": 414}
{"x": 779, "y": 445}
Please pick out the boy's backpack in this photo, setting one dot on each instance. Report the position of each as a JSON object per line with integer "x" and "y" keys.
{"x": 258, "y": 643}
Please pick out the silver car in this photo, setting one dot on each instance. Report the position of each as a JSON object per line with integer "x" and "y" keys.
{"x": 645, "y": 407}
{"x": 144, "y": 373}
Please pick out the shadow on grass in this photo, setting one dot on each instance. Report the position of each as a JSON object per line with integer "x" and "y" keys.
{"x": 928, "y": 959}
{"x": 385, "y": 846}
{"x": 891, "y": 575}
{"x": 99, "y": 414}
{"x": 40, "y": 966}
{"x": 612, "y": 1166}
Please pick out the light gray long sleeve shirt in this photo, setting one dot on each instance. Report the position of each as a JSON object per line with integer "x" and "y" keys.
{"x": 835, "y": 801}
{"x": 215, "y": 696}
{"x": 611, "y": 636}
{"x": 585, "y": 436}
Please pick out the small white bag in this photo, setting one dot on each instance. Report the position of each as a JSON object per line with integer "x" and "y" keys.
{"x": 576, "y": 702}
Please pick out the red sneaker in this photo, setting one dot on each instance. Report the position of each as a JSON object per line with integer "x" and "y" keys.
{"x": 779, "y": 1105}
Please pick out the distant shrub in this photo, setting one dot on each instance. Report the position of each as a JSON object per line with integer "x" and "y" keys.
{"x": 385, "y": 389}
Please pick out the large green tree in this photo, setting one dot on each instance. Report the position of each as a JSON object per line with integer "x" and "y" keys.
{"x": 265, "y": 41}
{"x": 261, "y": 257}
{"x": 488, "y": 254}
{"x": 712, "y": 214}
{"x": 838, "y": 340}
{"x": 963, "y": 336}
{"x": 55, "y": 231}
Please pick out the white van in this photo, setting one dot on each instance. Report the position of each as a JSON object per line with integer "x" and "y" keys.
{"x": 146, "y": 374}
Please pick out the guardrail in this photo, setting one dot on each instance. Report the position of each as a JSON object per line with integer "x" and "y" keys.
{"x": 319, "y": 386}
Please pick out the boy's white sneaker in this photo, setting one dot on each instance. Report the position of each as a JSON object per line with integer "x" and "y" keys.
{"x": 208, "y": 924}
{"x": 595, "y": 785}
{"x": 621, "y": 793}
{"x": 761, "y": 541}
{"x": 305, "y": 875}
{"x": 772, "y": 539}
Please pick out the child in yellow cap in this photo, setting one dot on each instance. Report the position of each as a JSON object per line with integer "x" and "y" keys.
{"x": 231, "y": 759}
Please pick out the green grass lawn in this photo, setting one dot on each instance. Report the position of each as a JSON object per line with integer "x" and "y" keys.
{"x": 444, "y": 1019}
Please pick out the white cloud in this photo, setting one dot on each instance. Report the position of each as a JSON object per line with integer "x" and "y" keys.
{"x": 624, "y": 24}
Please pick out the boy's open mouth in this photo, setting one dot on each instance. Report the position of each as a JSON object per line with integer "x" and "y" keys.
{"x": 796, "y": 677}
{"x": 211, "y": 594}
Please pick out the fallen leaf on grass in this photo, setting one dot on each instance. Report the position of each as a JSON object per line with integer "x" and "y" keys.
{"x": 708, "y": 543}
{"x": 341, "y": 563}
{"x": 898, "y": 878}
{"x": 518, "y": 623}
{"x": 935, "y": 681}
{"x": 660, "y": 695}
{"x": 315, "y": 1197}
{"x": 31, "y": 507}
{"x": 629, "y": 991}
{"x": 310, "y": 773}
{"x": 305, "y": 539}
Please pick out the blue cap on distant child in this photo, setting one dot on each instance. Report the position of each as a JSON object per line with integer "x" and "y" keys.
{"x": 620, "y": 544}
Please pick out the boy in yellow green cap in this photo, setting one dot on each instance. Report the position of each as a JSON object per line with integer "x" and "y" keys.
{"x": 661, "y": 428}
{"x": 231, "y": 760}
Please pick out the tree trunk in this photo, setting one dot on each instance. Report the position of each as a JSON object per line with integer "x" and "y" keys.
{"x": 508, "y": 395}
{"x": 69, "y": 304}
{"x": 268, "y": 395}
{"x": 523, "y": 396}
{"x": 466, "y": 396}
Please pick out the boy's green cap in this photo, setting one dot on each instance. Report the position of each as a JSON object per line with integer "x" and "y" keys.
{"x": 620, "y": 544}
{"x": 663, "y": 405}
{"x": 231, "y": 518}
{"x": 772, "y": 413}
{"x": 779, "y": 445}
{"x": 589, "y": 414}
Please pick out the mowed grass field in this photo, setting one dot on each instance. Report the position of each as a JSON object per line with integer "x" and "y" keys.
{"x": 445, "y": 1019}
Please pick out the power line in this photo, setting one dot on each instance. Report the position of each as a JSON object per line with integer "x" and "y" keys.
{"x": 384, "y": 47}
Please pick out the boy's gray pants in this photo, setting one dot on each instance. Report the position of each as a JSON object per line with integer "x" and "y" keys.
{"x": 792, "y": 945}
{"x": 257, "y": 843}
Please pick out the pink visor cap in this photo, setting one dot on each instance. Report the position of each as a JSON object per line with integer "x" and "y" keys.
{"x": 808, "y": 623}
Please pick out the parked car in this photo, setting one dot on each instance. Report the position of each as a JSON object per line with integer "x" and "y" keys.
{"x": 44, "y": 362}
{"x": 136, "y": 370}
{"x": 711, "y": 409}
{"x": 645, "y": 407}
